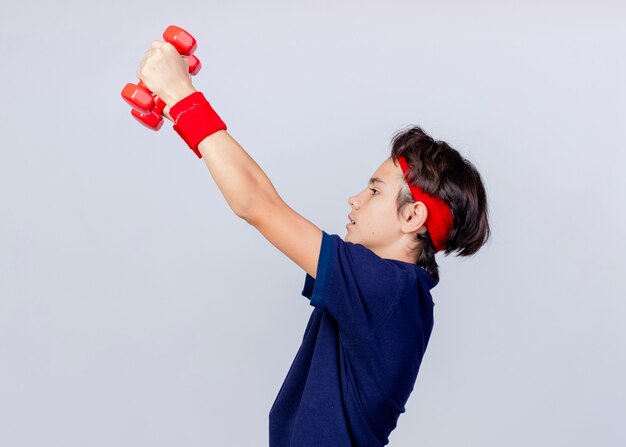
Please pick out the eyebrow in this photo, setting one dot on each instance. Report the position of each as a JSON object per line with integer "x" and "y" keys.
{"x": 375, "y": 180}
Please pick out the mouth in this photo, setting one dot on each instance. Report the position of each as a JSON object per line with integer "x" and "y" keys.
{"x": 350, "y": 222}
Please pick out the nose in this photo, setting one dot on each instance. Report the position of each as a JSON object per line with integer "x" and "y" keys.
{"x": 352, "y": 201}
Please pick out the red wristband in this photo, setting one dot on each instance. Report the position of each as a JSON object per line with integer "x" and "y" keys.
{"x": 195, "y": 119}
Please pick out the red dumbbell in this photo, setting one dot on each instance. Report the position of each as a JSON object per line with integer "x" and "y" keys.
{"x": 147, "y": 108}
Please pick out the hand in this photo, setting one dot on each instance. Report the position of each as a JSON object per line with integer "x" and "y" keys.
{"x": 166, "y": 73}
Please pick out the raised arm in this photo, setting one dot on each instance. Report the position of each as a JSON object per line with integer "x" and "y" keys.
{"x": 240, "y": 179}
{"x": 252, "y": 196}
{"x": 246, "y": 188}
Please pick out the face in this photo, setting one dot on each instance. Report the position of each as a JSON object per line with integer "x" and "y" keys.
{"x": 374, "y": 210}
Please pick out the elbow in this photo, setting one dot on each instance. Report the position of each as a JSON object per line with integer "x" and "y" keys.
{"x": 243, "y": 212}
{"x": 245, "y": 215}
{"x": 258, "y": 209}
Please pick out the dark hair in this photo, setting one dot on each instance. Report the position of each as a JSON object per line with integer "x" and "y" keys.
{"x": 441, "y": 171}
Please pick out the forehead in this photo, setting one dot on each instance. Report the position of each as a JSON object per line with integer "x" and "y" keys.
{"x": 388, "y": 172}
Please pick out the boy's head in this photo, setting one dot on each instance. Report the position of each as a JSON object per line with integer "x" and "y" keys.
{"x": 388, "y": 220}
{"x": 378, "y": 224}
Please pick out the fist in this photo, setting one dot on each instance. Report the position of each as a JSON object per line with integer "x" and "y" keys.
{"x": 165, "y": 72}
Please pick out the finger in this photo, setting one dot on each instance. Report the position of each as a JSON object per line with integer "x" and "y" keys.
{"x": 157, "y": 44}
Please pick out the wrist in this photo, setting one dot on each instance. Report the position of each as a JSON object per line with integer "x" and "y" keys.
{"x": 177, "y": 94}
{"x": 194, "y": 120}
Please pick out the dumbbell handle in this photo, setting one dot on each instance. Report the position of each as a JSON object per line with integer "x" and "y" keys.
{"x": 147, "y": 108}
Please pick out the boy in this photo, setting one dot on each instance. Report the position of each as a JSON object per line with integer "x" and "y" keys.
{"x": 373, "y": 311}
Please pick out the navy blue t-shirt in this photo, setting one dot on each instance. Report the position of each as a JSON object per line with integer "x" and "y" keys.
{"x": 360, "y": 353}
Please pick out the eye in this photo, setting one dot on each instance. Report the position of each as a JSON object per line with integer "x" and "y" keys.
{"x": 374, "y": 193}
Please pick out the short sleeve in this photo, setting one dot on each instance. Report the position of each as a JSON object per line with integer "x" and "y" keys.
{"x": 355, "y": 285}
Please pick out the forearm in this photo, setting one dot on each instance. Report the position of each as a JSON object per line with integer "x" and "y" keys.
{"x": 240, "y": 179}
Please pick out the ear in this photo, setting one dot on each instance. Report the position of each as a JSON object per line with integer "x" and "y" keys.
{"x": 413, "y": 217}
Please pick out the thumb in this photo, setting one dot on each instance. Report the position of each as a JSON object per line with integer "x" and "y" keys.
{"x": 166, "y": 113}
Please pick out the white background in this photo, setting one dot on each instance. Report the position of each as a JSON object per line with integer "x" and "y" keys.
{"x": 137, "y": 310}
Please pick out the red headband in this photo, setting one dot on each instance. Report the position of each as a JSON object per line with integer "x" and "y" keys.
{"x": 439, "y": 219}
